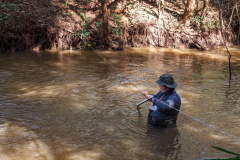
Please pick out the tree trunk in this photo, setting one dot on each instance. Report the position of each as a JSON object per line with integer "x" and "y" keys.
{"x": 197, "y": 7}
{"x": 189, "y": 10}
{"x": 197, "y": 3}
{"x": 160, "y": 13}
{"x": 205, "y": 7}
{"x": 105, "y": 22}
{"x": 221, "y": 28}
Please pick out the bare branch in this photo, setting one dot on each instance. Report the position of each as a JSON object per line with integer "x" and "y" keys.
{"x": 232, "y": 13}
{"x": 221, "y": 28}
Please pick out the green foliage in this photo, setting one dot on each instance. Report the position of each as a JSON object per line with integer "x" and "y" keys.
{"x": 6, "y": 10}
{"x": 8, "y": 7}
{"x": 84, "y": 17}
{"x": 117, "y": 21}
{"x": 211, "y": 22}
{"x": 226, "y": 151}
{"x": 84, "y": 33}
{"x": 67, "y": 13}
{"x": 66, "y": 3}
{"x": 197, "y": 20}
{"x": 98, "y": 24}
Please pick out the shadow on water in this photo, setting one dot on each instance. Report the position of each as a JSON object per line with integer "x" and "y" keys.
{"x": 60, "y": 109}
{"x": 166, "y": 142}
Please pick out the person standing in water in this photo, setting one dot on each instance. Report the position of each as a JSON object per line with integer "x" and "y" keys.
{"x": 165, "y": 104}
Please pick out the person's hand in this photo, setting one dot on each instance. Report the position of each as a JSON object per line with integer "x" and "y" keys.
{"x": 146, "y": 94}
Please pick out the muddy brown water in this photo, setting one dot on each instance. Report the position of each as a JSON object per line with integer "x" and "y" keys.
{"x": 71, "y": 105}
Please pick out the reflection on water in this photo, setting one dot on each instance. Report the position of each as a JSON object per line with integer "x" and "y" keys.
{"x": 166, "y": 142}
{"x": 72, "y": 105}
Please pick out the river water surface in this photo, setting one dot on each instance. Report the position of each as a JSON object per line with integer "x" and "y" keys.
{"x": 72, "y": 105}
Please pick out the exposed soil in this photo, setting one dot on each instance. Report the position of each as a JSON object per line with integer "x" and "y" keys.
{"x": 74, "y": 24}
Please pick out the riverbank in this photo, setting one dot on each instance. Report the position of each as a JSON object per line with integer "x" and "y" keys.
{"x": 39, "y": 25}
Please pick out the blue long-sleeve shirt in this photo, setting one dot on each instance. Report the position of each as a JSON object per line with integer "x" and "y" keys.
{"x": 164, "y": 105}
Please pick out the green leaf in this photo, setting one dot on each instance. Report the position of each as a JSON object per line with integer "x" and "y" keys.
{"x": 83, "y": 15}
{"x": 224, "y": 150}
{"x": 66, "y": 3}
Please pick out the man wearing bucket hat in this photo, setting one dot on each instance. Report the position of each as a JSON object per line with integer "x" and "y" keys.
{"x": 165, "y": 104}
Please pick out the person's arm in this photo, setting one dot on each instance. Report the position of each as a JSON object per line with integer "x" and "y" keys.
{"x": 165, "y": 105}
{"x": 149, "y": 96}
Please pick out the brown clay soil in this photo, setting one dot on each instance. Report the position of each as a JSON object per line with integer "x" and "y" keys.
{"x": 74, "y": 24}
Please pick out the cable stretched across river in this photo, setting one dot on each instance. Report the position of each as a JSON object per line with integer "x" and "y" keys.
{"x": 163, "y": 102}
{"x": 115, "y": 69}
{"x": 203, "y": 122}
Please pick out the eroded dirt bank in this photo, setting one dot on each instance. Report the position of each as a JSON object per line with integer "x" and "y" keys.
{"x": 59, "y": 24}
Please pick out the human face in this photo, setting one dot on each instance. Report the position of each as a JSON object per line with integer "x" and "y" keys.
{"x": 163, "y": 88}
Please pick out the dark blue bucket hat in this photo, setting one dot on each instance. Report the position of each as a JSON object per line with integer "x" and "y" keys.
{"x": 167, "y": 80}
